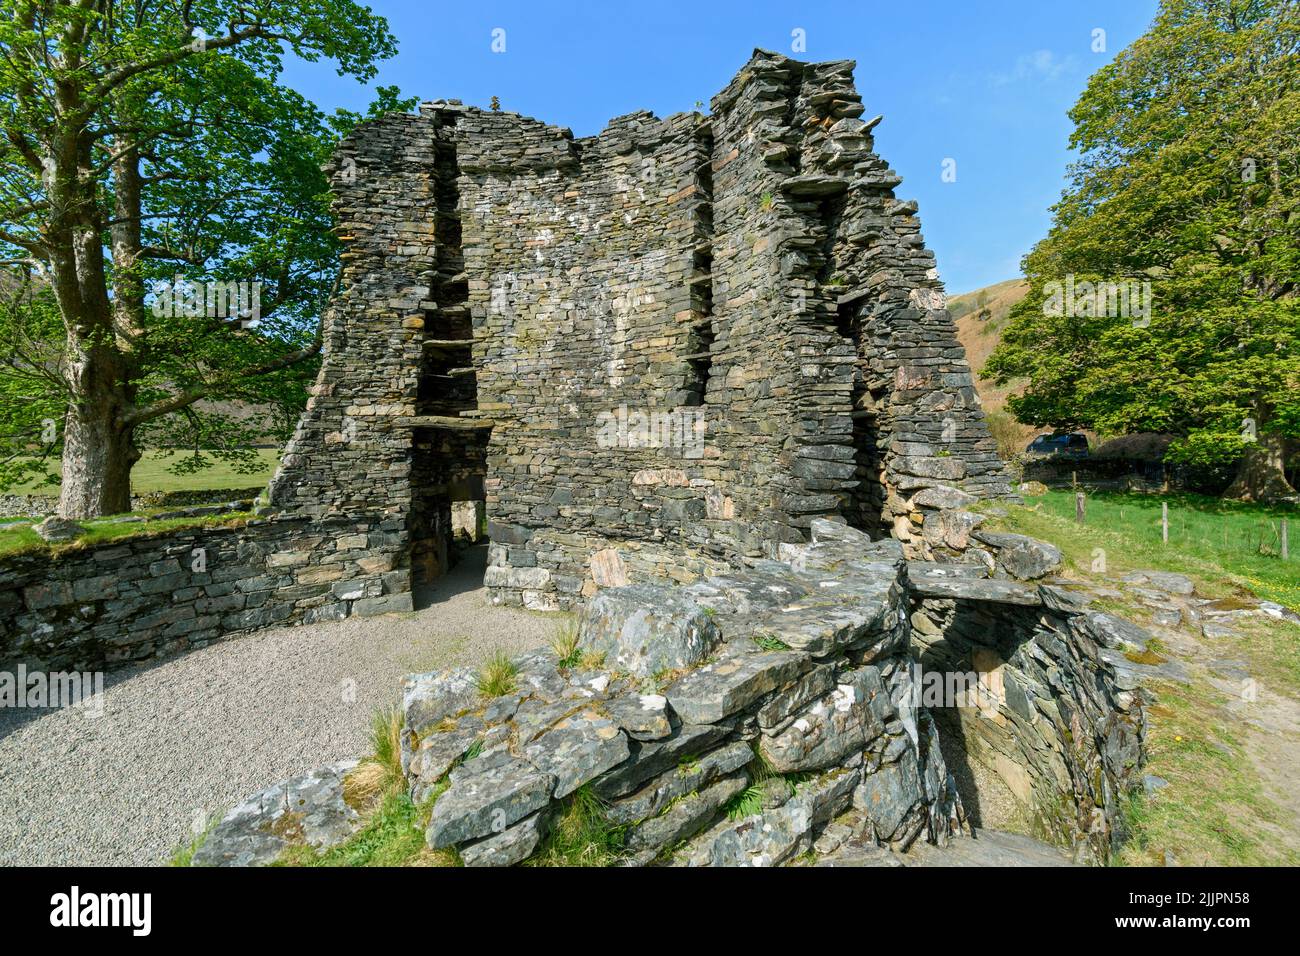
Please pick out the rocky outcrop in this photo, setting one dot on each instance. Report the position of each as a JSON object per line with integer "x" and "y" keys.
{"x": 807, "y": 722}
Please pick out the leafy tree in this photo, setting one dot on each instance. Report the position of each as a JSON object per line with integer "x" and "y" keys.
{"x": 141, "y": 144}
{"x": 1187, "y": 180}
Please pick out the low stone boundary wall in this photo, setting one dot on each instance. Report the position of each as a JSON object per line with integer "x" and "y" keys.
{"x": 96, "y": 607}
{"x": 36, "y": 506}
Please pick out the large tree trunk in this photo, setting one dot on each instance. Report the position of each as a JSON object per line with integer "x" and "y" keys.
{"x": 97, "y": 459}
{"x": 1261, "y": 476}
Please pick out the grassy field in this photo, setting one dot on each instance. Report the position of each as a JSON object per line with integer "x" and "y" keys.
{"x": 1239, "y": 543}
{"x": 151, "y": 474}
{"x": 1219, "y": 806}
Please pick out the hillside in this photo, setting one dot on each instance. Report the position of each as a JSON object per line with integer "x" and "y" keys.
{"x": 981, "y": 315}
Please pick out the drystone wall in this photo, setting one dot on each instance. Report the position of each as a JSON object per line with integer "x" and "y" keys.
{"x": 651, "y": 352}
{"x": 103, "y": 606}
{"x": 797, "y": 683}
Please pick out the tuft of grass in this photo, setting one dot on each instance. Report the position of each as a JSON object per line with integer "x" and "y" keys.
{"x": 392, "y": 836}
{"x": 380, "y": 772}
{"x": 581, "y": 834}
{"x": 184, "y": 855}
{"x": 497, "y": 677}
{"x": 747, "y": 803}
{"x": 769, "y": 642}
{"x": 766, "y": 202}
{"x": 564, "y": 642}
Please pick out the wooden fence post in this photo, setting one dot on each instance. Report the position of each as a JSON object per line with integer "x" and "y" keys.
{"x": 1286, "y": 546}
{"x": 1164, "y": 521}
{"x": 1080, "y": 508}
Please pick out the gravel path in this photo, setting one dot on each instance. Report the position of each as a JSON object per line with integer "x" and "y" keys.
{"x": 187, "y": 738}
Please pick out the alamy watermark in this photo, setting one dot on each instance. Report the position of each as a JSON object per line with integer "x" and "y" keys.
{"x": 1126, "y": 299}
{"x": 678, "y": 429}
{"x": 83, "y": 690}
{"x": 185, "y": 298}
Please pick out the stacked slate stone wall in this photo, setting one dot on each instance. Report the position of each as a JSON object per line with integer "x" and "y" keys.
{"x": 1056, "y": 712}
{"x": 103, "y": 606}
{"x": 653, "y": 351}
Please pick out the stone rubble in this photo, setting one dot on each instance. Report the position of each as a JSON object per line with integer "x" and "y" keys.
{"x": 759, "y": 753}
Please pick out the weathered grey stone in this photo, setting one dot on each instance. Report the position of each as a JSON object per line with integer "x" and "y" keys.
{"x": 815, "y": 683}
{"x": 1164, "y": 580}
{"x": 715, "y": 691}
{"x": 578, "y": 749}
{"x": 686, "y": 815}
{"x": 309, "y": 810}
{"x": 687, "y": 777}
{"x": 485, "y": 800}
{"x": 888, "y": 796}
{"x": 827, "y": 731}
{"x": 766, "y": 839}
{"x": 1021, "y": 556}
{"x": 965, "y": 588}
{"x": 645, "y": 629}
{"x": 650, "y": 759}
{"x": 950, "y": 529}
{"x": 643, "y": 716}
{"x": 437, "y": 695}
{"x": 438, "y": 750}
{"x": 512, "y": 845}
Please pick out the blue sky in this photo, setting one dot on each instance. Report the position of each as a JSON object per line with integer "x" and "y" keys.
{"x": 986, "y": 84}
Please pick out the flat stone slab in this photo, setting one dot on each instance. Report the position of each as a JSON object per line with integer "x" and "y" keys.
{"x": 485, "y": 800}
{"x": 957, "y": 588}
{"x": 1164, "y": 580}
{"x": 431, "y": 697}
{"x": 308, "y": 810}
{"x": 578, "y": 749}
{"x": 646, "y": 629}
{"x": 642, "y": 716}
{"x": 714, "y": 691}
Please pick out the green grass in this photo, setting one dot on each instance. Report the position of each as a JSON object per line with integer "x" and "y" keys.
{"x": 769, "y": 642}
{"x": 99, "y": 531}
{"x": 150, "y": 474}
{"x": 1215, "y": 810}
{"x": 392, "y": 836}
{"x": 564, "y": 642}
{"x": 580, "y": 835}
{"x": 497, "y": 676}
{"x": 1214, "y": 539}
{"x": 185, "y": 855}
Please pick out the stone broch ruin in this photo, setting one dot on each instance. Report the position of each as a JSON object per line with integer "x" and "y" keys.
{"x": 693, "y": 377}
{"x": 649, "y": 351}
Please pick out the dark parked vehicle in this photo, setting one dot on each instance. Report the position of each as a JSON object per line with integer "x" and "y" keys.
{"x": 1072, "y": 445}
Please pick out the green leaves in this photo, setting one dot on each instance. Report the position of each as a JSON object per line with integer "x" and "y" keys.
{"x": 156, "y": 140}
{"x": 1187, "y": 178}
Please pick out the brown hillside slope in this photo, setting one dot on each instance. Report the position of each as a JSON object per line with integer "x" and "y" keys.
{"x": 981, "y": 315}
